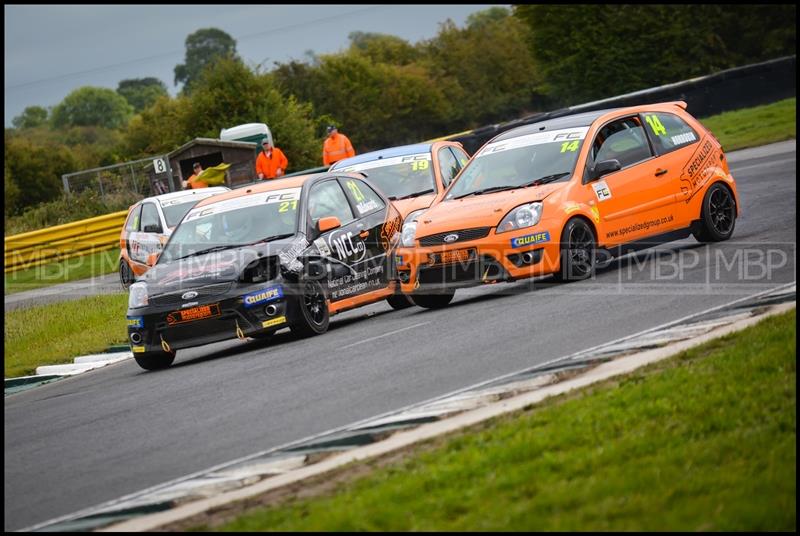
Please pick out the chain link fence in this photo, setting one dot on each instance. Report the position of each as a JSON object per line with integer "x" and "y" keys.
{"x": 138, "y": 178}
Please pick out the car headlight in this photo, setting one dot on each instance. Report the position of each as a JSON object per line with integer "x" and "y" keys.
{"x": 414, "y": 216}
{"x": 407, "y": 236}
{"x": 137, "y": 295}
{"x": 523, "y": 216}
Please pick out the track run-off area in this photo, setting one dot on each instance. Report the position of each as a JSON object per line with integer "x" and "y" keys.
{"x": 102, "y": 435}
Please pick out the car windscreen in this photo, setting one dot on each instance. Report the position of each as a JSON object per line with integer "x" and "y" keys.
{"x": 399, "y": 176}
{"x": 235, "y": 222}
{"x": 173, "y": 213}
{"x": 523, "y": 160}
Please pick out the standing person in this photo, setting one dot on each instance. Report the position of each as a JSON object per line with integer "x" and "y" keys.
{"x": 271, "y": 163}
{"x": 193, "y": 181}
{"x": 337, "y": 147}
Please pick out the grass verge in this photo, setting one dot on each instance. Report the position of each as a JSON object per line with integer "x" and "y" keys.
{"x": 759, "y": 125}
{"x": 56, "y": 333}
{"x": 96, "y": 264}
{"x": 705, "y": 440}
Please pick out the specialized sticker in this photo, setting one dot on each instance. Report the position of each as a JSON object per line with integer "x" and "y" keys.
{"x": 418, "y": 162}
{"x": 390, "y": 231}
{"x": 700, "y": 169}
{"x": 275, "y": 196}
{"x": 274, "y": 322}
{"x": 602, "y": 190}
{"x": 565, "y": 137}
{"x": 535, "y": 238}
{"x": 137, "y": 349}
{"x": 262, "y": 296}
{"x": 135, "y": 321}
{"x": 195, "y": 313}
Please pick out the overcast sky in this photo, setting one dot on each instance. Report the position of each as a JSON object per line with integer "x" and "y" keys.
{"x": 51, "y": 50}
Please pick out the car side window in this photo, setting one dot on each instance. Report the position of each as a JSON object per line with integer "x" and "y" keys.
{"x": 448, "y": 165}
{"x": 132, "y": 225}
{"x": 461, "y": 155}
{"x": 364, "y": 197}
{"x": 623, "y": 140}
{"x": 668, "y": 132}
{"x": 327, "y": 199}
{"x": 151, "y": 223}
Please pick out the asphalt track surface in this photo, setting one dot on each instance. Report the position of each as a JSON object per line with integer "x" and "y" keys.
{"x": 85, "y": 440}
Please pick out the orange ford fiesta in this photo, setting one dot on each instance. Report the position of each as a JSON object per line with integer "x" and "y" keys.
{"x": 550, "y": 197}
{"x": 412, "y": 176}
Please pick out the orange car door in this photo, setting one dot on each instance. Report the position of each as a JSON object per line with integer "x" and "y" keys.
{"x": 639, "y": 200}
{"x": 675, "y": 144}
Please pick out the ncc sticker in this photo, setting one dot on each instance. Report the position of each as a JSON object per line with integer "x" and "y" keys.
{"x": 135, "y": 321}
{"x": 602, "y": 190}
{"x": 262, "y": 296}
{"x": 273, "y": 322}
{"x": 535, "y": 238}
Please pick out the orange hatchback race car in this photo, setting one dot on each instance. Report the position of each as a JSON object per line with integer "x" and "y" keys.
{"x": 411, "y": 176}
{"x": 148, "y": 226}
{"x": 549, "y": 197}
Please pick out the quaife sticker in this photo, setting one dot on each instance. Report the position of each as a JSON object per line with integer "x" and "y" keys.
{"x": 602, "y": 190}
{"x": 262, "y": 296}
{"x": 274, "y": 322}
{"x": 135, "y": 321}
{"x": 527, "y": 240}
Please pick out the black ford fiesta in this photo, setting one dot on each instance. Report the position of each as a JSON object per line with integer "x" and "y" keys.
{"x": 246, "y": 263}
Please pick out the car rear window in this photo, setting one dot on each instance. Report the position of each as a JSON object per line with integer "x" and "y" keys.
{"x": 668, "y": 132}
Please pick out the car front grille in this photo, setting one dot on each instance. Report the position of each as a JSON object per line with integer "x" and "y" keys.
{"x": 175, "y": 298}
{"x": 463, "y": 235}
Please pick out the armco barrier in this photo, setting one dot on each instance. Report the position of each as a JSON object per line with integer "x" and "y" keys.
{"x": 66, "y": 241}
{"x": 740, "y": 87}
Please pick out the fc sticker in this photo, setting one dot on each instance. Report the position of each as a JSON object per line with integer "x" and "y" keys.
{"x": 262, "y": 296}
{"x": 535, "y": 238}
{"x": 602, "y": 190}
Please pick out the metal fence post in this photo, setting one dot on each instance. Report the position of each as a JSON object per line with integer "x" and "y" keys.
{"x": 100, "y": 182}
{"x": 65, "y": 181}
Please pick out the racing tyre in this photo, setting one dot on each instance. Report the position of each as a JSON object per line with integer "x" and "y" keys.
{"x": 718, "y": 216}
{"x": 126, "y": 277}
{"x": 310, "y": 316}
{"x": 399, "y": 301}
{"x": 578, "y": 251}
{"x": 154, "y": 360}
{"x": 433, "y": 301}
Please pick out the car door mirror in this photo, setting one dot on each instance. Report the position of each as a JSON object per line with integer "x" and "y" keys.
{"x": 328, "y": 223}
{"x": 152, "y": 228}
{"x": 605, "y": 167}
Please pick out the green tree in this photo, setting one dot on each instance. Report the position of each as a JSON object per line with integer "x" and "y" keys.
{"x": 587, "y": 52}
{"x": 486, "y": 68}
{"x": 383, "y": 48}
{"x": 10, "y": 189}
{"x": 31, "y": 117}
{"x": 92, "y": 106}
{"x": 36, "y": 170}
{"x": 142, "y": 92}
{"x": 203, "y": 48}
{"x": 228, "y": 93}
